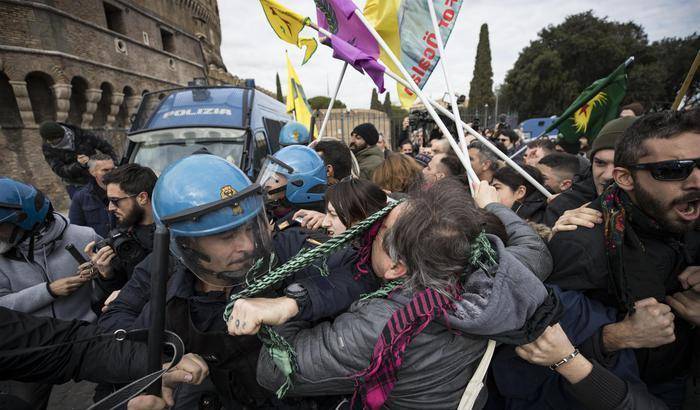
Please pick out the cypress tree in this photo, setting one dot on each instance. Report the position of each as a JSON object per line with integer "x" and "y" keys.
{"x": 279, "y": 96}
{"x": 386, "y": 107}
{"x": 374, "y": 103}
{"x": 481, "y": 86}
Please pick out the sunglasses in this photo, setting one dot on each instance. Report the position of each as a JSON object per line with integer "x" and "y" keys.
{"x": 116, "y": 201}
{"x": 673, "y": 170}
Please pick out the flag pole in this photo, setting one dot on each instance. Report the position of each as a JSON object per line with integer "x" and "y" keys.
{"x": 569, "y": 111}
{"x": 686, "y": 83}
{"x": 330, "y": 105}
{"x": 438, "y": 121}
{"x": 482, "y": 139}
{"x": 443, "y": 64}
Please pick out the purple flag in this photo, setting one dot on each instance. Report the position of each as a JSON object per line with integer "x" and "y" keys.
{"x": 351, "y": 41}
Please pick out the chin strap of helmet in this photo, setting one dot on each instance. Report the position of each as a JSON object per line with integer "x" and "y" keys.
{"x": 280, "y": 350}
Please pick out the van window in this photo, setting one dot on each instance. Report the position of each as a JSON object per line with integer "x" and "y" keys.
{"x": 259, "y": 151}
{"x": 273, "y": 128}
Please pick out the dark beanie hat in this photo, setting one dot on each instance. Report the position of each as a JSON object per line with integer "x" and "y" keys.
{"x": 51, "y": 130}
{"x": 610, "y": 133}
{"x": 367, "y": 132}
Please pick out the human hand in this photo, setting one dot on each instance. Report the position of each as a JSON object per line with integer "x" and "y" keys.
{"x": 110, "y": 299}
{"x": 87, "y": 270}
{"x": 192, "y": 369}
{"x": 310, "y": 219}
{"x": 146, "y": 402}
{"x": 83, "y": 159}
{"x": 552, "y": 346}
{"x": 686, "y": 304}
{"x": 66, "y": 286}
{"x": 573, "y": 218}
{"x": 102, "y": 259}
{"x": 690, "y": 278}
{"x": 650, "y": 326}
{"x": 552, "y": 198}
{"x": 249, "y": 314}
{"x": 485, "y": 194}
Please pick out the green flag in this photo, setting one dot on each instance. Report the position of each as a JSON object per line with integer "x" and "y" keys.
{"x": 596, "y": 105}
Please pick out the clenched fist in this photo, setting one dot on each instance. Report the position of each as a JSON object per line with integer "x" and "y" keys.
{"x": 650, "y": 326}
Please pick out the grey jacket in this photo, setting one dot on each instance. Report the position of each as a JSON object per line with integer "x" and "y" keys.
{"x": 23, "y": 283}
{"x": 437, "y": 365}
{"x": 523, "y": 242}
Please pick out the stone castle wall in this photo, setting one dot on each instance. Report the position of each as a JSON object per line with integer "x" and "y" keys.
{"x": 88, "y": 63}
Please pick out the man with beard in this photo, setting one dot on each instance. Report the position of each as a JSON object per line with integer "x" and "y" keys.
{"x": 640, "y": 260}
{"x": 129, "y": 190}
{"x": 221, "y": 242}
{"x": 363, "y": 143}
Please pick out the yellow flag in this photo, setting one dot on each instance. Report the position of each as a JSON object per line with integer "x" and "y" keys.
{"x": 296, "y": 98}
{"x": 384, "y": 17}
{"x": 287, "y": 25}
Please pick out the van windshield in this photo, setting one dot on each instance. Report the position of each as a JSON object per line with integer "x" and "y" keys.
{"x": 158, "y": 149}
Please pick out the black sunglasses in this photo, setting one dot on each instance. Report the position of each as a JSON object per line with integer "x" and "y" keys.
{"x": 673, "y": 170}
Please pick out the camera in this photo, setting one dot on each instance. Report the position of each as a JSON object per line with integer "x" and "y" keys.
{"x": 125, "y": 245}
{"x": 419, "y": 119}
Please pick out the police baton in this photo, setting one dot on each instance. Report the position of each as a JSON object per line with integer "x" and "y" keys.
{"x": 159, "y": 276}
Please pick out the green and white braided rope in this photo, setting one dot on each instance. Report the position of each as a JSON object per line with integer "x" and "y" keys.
{"x": 280, "y": 350}
{"x": 305, "y": 257}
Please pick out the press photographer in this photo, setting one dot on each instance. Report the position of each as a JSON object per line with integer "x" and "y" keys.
{"x": 129, "y": 189}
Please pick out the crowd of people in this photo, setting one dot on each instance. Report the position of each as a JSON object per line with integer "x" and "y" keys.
{"x": 592, "y": 296}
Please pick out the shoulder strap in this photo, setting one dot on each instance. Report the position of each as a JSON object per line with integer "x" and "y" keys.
{"x": 476, "y": 383}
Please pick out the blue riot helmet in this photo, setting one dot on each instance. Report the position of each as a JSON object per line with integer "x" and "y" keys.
{"x": 24, "y": 208}
{"x": 216, "y": 217}
{"x": 295, "y": 175}
{"x": 294, "y": 133}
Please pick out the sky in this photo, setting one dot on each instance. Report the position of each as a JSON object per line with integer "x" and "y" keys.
{"x": 251, "y": 49}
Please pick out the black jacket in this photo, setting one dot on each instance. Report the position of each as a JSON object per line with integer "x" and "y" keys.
{"x": 97, "y": 361}
{"x": 532, "y": 208}
{"x": 581, "y": 263}
{"x": 581, "y": 192}
{"x": 64, "y": 163}
{"x": 198, "y": 318}
{"x": 89, "y": 208}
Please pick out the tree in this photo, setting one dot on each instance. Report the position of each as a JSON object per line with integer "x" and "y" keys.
{"x": 280, "y": 97}
{"x": 321, "y": 103}
{"x": 386, "y": 107}
{"x": 374, "y": 103}
{"x": 565, "y": 59}
{"x": 481, "y": 86}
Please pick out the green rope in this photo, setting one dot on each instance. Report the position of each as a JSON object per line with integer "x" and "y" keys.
{"x": 387, "y": 288}
{"x": 306, "y": 257}
{"x": 483, "y": 255}
{"x": 281, "y": 352}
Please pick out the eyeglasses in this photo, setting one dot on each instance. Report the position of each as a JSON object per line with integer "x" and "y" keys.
{"x": 115, "y": 201}
{"x": 674, "y": 170}
{"x": 503, "y": 140}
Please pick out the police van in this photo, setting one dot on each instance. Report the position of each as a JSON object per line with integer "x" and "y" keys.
{"x": 239, "y": 124}
{"x": 533, "y": 127}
